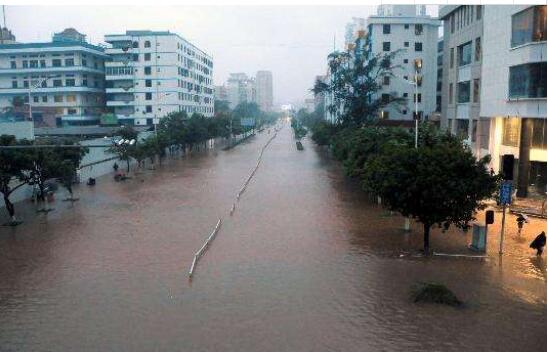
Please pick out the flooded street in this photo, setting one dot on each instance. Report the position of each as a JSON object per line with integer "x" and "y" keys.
{"x": 306, "y": 262}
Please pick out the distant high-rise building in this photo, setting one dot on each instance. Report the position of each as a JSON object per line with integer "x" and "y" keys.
{"x": 264, "y": 90}
{"x": 353, "y": 29}
{"x": 221, "y": 93}
{"x": 6, "y": 37}
{"x": 240, "y": 88}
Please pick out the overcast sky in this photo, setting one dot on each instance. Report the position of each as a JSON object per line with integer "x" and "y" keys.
{"x": 290, "y": 41}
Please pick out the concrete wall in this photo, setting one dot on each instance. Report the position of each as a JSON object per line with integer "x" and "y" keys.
{"x": 20, "y": 129}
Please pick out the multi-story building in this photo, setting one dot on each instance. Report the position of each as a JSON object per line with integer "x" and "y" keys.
{"x": 150, "y": 74}
{"x": 513, "y": 92}
{"x": 352, "y": 30}
{"x": 241, "y": 88}
{"x": 462, "y": 62}
{"x": 263, "y": 86}
{"x": 221, "y": 93}
{"x": 406, "y": 29}
{"x": 54, "y": 83}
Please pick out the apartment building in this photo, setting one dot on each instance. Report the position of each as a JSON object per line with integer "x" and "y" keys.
{"x": 462, "y": 63}
{"x": 221, "y": 93}
{"x": 53, "y": 83}
{"x": 263, "y": 83}
{"x": 513, "y": 92}
{"x": 241, "y": 88}
{"x": 150, "y": 74}
{"x": 414, "y": 35}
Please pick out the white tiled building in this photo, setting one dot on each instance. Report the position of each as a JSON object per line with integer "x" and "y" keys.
{"x": 150, "y": 74}
{"x": 65, "y": 79}
{"x": 407, "y": 29}
{"x": 513, "y": 91}
{"x": 241, "y": 88}
{"x": 263, "y": 83}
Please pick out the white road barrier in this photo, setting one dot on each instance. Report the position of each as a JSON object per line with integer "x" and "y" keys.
{"x": 204, "y": 247}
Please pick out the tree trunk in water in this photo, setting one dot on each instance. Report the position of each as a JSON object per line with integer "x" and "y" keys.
{"x": 9, "y": 207}
{"x": 426, "y": 239}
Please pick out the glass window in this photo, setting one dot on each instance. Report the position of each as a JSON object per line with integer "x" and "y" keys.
{"x": 135, "y": 44}
{"x": 386, "y": 80}
{"x": 147, "y": 44}
{"x": 69, "y": 62}
{"x": 149, "y": 108}
{"x": 13, "y": 64}
{"x": 406, "y": 26}
{"x": 528, "y": 81}
{"x": 70, "y": 82}
{"x": 463, "y": 92}
{"x": 418, "y": 46}
{"x": 385, "y": 98}
{"x": 386, "y": 46}
{"x": 417, "y": 97}
{"x": 510, "y": 131}
{"x": 13, "y": 84}
{"x": 148, "y": 83}
{"x": 529, "y": 26}
{"x": 56, "y": 63}
{"x": 478, "y": 12}
{"x": 451, "y": 57}
{"x": 539, "y": 134}
{"x": 405, "y": 61}
{"x": 464, "y": 53}
{"x": 406, "y": 44}
{"x": 418, "y": 29}
{"x": 57, "y": 99}
{"x": 477, "y": 52}
{"x": 57, "y": 83}
{"x": 147, "y": 70}
{"x": 474, "y": 129}
{"x": 42, "y": 63}
{"x": 147, "y": 56}
{"x": 71, "y": 98}
{"x": 453, "y": 23}
{"x": 450, "y": 93}
{"x": 386, "y": 29}
{"x": 476, "y": 90}
{"x": 462, "y": 128}
{"x": 148, "y": 96}
{"x": 44, "y": 99}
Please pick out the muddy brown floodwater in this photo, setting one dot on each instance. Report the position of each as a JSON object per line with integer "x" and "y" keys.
{"x": 306, "y": 262}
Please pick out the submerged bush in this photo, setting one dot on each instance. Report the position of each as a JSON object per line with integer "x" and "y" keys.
{"x": 434, "y": 293}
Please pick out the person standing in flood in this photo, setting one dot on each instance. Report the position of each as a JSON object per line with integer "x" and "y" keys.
{"x": 539, "y": 243}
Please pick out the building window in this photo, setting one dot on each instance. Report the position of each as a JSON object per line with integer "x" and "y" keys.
{"x": 385, "y": 98}
{"x": 406, "y": 44}
{"x": 71, "y": 98}
{"x": 44, "y": 99}
{"x": 479, "y": 8}
{"x": 463, "y": 92}
{"x": 148, "y": 96}
{"x": 57, "y": 83}
{"x": 417, "y": 98}
{"x": 462, "y": 128}
{"x": 386, "y": 80}
{"x": 450, "y": 93}
{"x": 528, "y": 81}
{"x": 13, "y": 84}
{"x": 418, "y": 46}
{"x": 476, "y": 90}
{"x": 474, "y": 129}
{"x": 404, "y": 112}
{"x": 147, "y": 70}
{"x": 384, "y": 114}
{"x": 35, "y": 99}
{"x": 529, "y": 26}
{"x": 135, "y": 58}
{"x": 510, "y": 131}
{"x": 13, "y": 65}
{"x": 453, "y": 23}
{"x": 147, "y": 56}
{"x": 148, "y": 83}
{"x": 56, "y": 63}
{"x": 70, "y": 82}
{"x": 58, "y": 99}
{"x": 147, "y": 44}
{"x": 42, "y": 63}
{"x": 149, "y": 108}
{"x": 386, "y": 46}
{"x": 405, "y": 61}
{"x": 477, "y": 52}
{"x": 405, "y": 94}
{"x": 69, "y": 62}
{"x": 406, "y": 26}
{"x": 539, "y": 134}
{"x": 418, "y": 29}
{"x": 464, "y": 53}
{"x": 84, "y": 62}
{"x": 451, "y": 57}
{"x": 135, "y": 44}
{"x": 386, "y": 29}
{"x": 33, "y": 64}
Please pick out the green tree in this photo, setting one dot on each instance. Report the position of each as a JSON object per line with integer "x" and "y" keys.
{"x": 65, "y": 163}
{"x": 124, "y": 147}
{"x": 14, "y": 164}
{"x": 355, "y": 81}
{"x": 439, "y": 183}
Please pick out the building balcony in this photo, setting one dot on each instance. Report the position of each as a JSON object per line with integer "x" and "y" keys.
{"x": 50, "y": 69}
{"x": 120, "y": 90}
{"x": 114, "y": 51}
{"x": 119, "y": 77}
{"x": 120, "y": 103}
{"x": 49, "y": 90}
{"x": 118, "y": 63}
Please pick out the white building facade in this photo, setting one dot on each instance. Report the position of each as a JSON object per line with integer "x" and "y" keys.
{"x": 150, "y": 74}
{"x": 63, "y": 80}
{"x": 241, "y": 88}
{"x": 415, "y": 37}
{"x": 263, "y": 82}
{"x": 513, "y": 94}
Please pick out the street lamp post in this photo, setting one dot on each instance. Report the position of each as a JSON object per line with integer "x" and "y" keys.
{"x": 35, "y": 86}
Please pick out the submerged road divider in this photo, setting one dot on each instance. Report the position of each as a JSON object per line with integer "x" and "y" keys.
{"x": 204, "y": 247}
